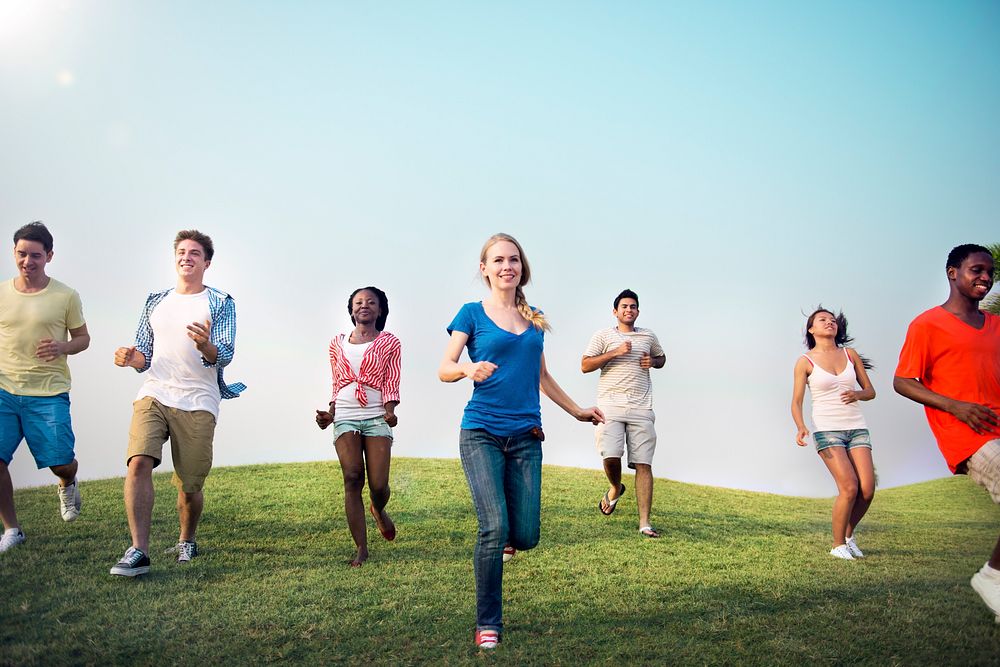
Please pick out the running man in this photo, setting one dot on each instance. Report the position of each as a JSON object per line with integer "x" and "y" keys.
{"x": 950, "y": 363}
{"x": 194, "y": 328}
{"x": 41, "y": 322}
{"x": 625, "y": 353}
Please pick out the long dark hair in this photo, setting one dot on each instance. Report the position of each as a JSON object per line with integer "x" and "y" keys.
{"x": 842, "y": 339}
{"x": 383, "y": 306}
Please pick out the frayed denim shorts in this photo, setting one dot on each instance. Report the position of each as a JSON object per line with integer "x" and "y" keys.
{"x": 369, "y": 428}
{"x": 856, "y": 437}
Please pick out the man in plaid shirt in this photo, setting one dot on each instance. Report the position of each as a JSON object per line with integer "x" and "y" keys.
{"x": 186, "y": 336}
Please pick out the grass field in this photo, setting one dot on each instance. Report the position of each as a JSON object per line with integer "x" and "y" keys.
{"x": 739, "y": 578}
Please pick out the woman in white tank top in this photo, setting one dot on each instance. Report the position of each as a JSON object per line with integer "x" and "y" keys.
{"x": 833, "y": 373}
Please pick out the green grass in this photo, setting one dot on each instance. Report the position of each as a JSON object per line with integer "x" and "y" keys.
{"x": 739, "y": 578}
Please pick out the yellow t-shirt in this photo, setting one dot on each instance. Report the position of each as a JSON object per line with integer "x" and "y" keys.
{"x": 26, "y": 319}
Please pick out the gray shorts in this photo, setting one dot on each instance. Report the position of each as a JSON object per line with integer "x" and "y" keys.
{"x": 627, "y": 426}
{"x": 984, "y": 468}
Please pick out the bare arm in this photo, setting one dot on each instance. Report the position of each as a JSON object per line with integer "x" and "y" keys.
{"x": 801, "y": 374}
{"x": 548, "y": 385}
{"x": 867, "y": 392}
{"x": 979, "y": 418}
{"x": 589, "y": 364}
{"x": 49, "y": 349}
{"x": 452, "y": 371}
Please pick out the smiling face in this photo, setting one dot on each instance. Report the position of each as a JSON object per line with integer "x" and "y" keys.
{"x": 189, "y": 260}
{"x": 627, "y": 312}
{"x": 31, "y": 258}
{"x": 974, "y": 278}
{"x": 365, "y": 307}
{"x": 501, "y": 265}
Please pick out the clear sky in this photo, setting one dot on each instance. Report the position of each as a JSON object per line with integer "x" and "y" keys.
{"x": 733, "y": 163}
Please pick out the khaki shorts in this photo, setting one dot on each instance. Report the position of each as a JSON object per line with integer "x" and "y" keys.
{"x": 984, "y": 468}
{"x": 627, "y": 426}
{"x": 190, "y": 434}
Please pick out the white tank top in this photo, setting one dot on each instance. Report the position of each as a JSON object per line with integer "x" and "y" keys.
{"x": 347, "y": 407}
{"x": 829, "y": 413}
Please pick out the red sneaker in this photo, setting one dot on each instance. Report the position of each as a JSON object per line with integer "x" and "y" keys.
{"x": 508, "y": 553}
{"x": 487, "y": 639}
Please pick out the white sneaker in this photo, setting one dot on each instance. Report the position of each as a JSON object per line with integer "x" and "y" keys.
{"x": 852, "y": 546}
{"x": 508, "y": 553}
{"x": 987, "y": 584}
{"x": 11, "y": 540}
{"x": 69, "y": 501}
{"x": 841, "y": 552}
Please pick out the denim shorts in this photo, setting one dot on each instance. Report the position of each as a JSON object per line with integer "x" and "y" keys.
{"x": 41, "y": 420}
{"x": 857, "y": 437}
{"x": 369, "y": 428}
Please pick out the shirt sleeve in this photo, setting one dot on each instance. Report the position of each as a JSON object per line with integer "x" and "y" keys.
{"x": 655, "y": 349}
{"x": 223, "y": 334}
{"x": 463, "y": 321}
{"x": 913, "y": 356}
{"x": 144, "y": 333}
{"x": 595, "y": 347}
{"x": 334, "y": 353}
{"x": 74, "y": 311}
{"x": 390, "y": 387}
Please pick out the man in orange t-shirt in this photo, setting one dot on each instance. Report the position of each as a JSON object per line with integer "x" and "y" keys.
{"x": 950, "y": 363}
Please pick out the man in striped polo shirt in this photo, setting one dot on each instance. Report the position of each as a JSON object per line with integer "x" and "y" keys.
{"x": 625, "y": 353}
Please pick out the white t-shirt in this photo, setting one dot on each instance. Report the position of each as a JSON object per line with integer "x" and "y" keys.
{"x": 177, "y": 377}
{"x": 624, "y": 383}
{"x": 348, "y": 408}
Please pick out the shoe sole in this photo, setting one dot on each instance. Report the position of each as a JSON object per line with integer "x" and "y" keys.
{"x": 131, "y": 572}
{"x": 981, "y": 589}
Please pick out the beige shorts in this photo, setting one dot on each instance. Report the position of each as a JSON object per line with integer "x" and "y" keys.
{"x": 631, "y": 427}
{"x": 984, "y": 468}
{"x": 190, "y": 433}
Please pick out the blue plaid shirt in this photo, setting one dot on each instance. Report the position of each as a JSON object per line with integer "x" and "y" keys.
{"x": 222, "y": 308}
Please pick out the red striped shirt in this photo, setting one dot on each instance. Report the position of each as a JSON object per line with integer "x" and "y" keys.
{"x": 379, "y": 368}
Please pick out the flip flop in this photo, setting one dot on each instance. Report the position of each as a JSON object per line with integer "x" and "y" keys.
{"x": 389, "y": 531}
{"x": 648, "y": 531}
{"x": 610, "y": 503}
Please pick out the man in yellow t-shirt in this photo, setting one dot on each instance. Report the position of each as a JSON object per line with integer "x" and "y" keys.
{"x": 41, "y": 322}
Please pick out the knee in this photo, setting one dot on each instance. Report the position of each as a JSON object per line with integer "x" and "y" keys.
{"x": 849, "y": 488}
{"x": 140, "y": 465}
{"x": 494, "y": 533}
{"x": 354, "y": 480}
{"x": 524, "y": 537}
{"x": 868, "y": 493}
{"x": 380, "y": 491}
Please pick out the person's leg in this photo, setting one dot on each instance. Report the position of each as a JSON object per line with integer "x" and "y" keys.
{"x": 8, "y": 514}
{"x": 352, "y": 464}
{"x": 523, "y": 490}
{"x": 610, "y": 440}
{"x": 483, "y": 463}
{"x": 189, "y": 508}
{"x": 378, "y": 452}
{"x": 839, "y": 465}
{"x": 640, "y": 438}
{"x": 139, "y": 499}
{"x": 10, "y": 437}
{"x": 192, "y": 434}
{"x": 48, "y": 429}
{"x": 864, "y": 469}
{"x": 644, "y": 492}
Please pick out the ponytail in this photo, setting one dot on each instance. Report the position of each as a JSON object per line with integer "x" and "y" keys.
{"x": 536, "y": 317}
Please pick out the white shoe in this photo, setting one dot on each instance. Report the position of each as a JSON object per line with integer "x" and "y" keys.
{"x": 70, "y": 501}
{"x": 508, "y": 553}
{"x": 841, "y": 552}
{"x": 11, "y": 540}
{"x": 852, "y": 546}
{"x": 987, "y": 585}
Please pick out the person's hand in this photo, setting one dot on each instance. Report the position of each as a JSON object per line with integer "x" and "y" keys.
{"x": 979, "y": 418}
{"x": 48, "y": 349}
{"x": 480, "y": 370}
{"x": 849, "y": 396}
{"x": 645, "y": 361}
{"x": 323, "y": 418}
{"x": 129, "y": 356}
{"x": 201, "y": 335}
{"x": 623, "y": 349}
{"x": 800, "y": 437}
{"x": 592, "y": 415}
{"x": 390, "y": 418}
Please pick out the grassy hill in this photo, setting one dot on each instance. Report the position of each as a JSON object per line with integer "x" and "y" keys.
{"x": 739, "y": 578}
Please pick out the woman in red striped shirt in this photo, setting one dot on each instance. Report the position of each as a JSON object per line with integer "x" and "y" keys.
{"x": 365, "y": 365}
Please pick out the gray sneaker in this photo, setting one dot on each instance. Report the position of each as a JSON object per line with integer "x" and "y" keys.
{"x": 69, "y": 501}
{"x": 185, "y": 551}
{"x": 11, "y": 540}
{"x": 988, "y": 586}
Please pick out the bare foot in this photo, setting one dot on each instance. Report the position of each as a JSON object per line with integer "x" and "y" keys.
{"x": 360, "y": 559}
{"x": 384, "y": 524}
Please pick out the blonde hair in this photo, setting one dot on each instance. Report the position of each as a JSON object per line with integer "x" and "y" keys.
{"x": 533, "y": 315}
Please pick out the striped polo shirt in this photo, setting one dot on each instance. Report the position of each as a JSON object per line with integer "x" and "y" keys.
{"x": 624, "y": 383}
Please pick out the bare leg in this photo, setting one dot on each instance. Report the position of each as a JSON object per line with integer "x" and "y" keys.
{"x": 189, "y": 507}
{"x": 613, "y": 471}
{"x": 7, "y": 513}
{"x": 66, "y": 473}
{"x": 644, "y": 491}
{"x": 840, "y": 467}
{"x": 352, "y": 464}
{"x": 995, "y": 558}
{"x": 861, "y": 457}
{"x": 139, "y": 499}
{"x": 378, "y": 453}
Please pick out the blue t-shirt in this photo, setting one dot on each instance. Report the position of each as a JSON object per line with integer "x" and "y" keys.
{"x": 506, "y": 403}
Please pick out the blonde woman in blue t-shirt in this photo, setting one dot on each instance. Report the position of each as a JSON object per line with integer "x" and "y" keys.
{"x": 501, "y": 437}
{"x": 841, "y": 433}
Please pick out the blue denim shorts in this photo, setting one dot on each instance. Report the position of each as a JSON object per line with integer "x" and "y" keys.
{"x": 369, "y": 428}
{"x": 857, "y": 437}
{"x": 41, "y": 420}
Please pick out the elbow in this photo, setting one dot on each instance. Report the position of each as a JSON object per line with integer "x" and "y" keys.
{"x": 898, "y": 385}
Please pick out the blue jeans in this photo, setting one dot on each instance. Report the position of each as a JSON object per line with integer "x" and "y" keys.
{"x": 43, "y": 421}
{"x": 505, "y": 478}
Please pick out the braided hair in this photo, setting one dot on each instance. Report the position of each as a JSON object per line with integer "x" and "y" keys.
{"x": 533, "y": 315}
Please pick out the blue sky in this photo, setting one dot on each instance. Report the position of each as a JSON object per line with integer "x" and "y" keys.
{"x": 734, "y": 163}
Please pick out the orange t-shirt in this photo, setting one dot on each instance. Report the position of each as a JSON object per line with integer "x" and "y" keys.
{"x": 953, "y": 359}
